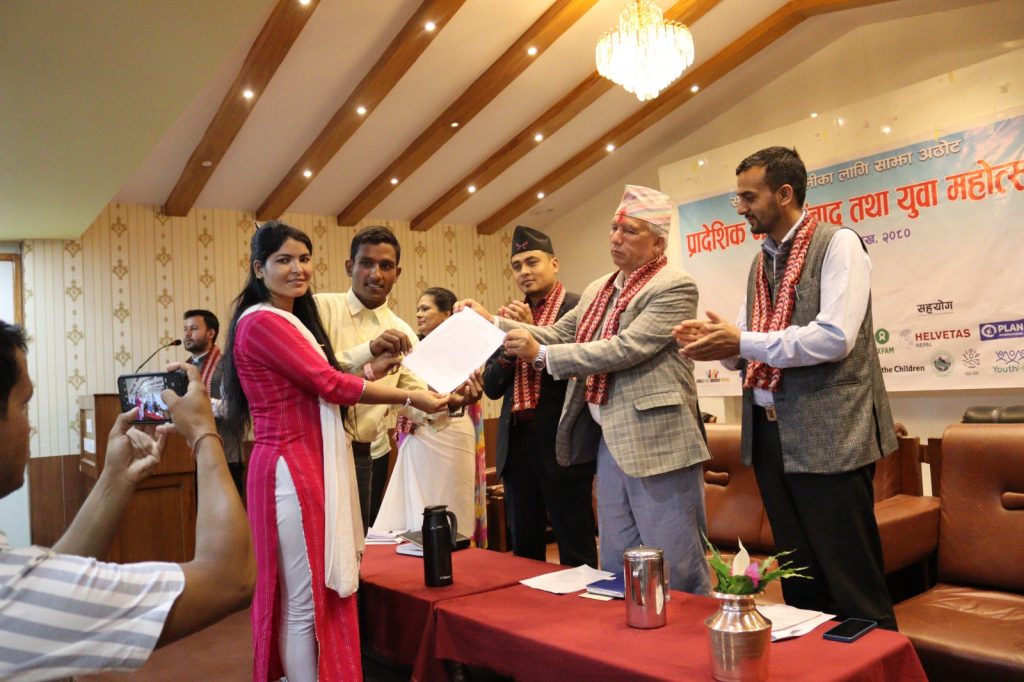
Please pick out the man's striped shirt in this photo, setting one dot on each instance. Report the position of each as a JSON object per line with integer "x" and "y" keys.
{"x": 62, "y": 615}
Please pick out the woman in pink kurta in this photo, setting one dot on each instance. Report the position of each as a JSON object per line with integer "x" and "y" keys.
{"x": 275, "y": 372}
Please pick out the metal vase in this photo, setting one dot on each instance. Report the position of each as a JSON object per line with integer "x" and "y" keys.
{"x": 739, "y": 638}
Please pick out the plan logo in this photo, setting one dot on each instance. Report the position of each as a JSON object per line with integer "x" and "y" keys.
{"x": 1008, "y": 329}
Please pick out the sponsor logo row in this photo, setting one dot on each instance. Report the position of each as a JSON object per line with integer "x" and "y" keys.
{"x": 971, "y": 362}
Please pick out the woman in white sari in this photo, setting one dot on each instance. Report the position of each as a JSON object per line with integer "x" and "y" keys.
{"x": 437, "y": 455}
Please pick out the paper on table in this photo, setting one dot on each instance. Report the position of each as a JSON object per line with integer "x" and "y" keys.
{"x": 409, "y": 549}
{"x": 450, "y": 353}
{"x": 382, "y": 537}
{"x": 569, "y": 580}
{"x": 789, "y": 621}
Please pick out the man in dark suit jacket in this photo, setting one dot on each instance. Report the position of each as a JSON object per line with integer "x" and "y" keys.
{"x": 536, "y": 486}
{"x": 200, "y": 339}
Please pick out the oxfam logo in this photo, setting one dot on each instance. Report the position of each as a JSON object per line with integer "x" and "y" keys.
{"x": 881, "y": 336}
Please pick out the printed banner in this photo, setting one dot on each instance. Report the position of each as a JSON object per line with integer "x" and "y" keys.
{"x": 942, "y": 222}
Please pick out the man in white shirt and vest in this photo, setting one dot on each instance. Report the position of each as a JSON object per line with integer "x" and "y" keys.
{"x": 362, "y": 326}
{"x": 816, "y": 415}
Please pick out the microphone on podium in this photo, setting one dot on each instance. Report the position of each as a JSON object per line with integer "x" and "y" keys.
{"x": 176, "y": 342}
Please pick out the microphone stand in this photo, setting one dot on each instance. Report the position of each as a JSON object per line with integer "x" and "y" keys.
{"x": 176, "y": 342}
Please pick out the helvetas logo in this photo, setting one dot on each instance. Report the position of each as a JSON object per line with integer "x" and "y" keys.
{"x": 1007, "y": 329}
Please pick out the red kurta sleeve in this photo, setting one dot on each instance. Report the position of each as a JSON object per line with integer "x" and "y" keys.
{"x": 275, "y": 343}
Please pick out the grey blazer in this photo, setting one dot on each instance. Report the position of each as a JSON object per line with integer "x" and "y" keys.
{"x": 651, "y": 421}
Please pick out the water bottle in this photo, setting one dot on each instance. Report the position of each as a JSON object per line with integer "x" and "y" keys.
{"x": 438, "y": 542}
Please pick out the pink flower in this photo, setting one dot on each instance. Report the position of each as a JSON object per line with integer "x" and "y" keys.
{"x": 753, "y": 573}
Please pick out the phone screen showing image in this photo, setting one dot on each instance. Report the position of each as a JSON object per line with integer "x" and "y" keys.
{"x": 143, "y": 391}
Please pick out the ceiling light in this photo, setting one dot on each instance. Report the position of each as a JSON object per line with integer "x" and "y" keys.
{"x": 307, "y": 173}
{"x": 694, "y": 88}
{"x": 248, "y": 94}
{"x": 471, "y": 189}
{"x": 886, "y": 130}
{"x": 540, "y": 195}
{"x": 814, "y": 114}
{"x": 361, "y": 110}
{"x": 454, "y": 124}
{"x": 840, "y": 121}
{"x": 701, "y": 162}
{"x": 609, "y": 147}
{"x": 394, "y": 181}
{"x": 207, "y": 163}
{"x": 430, "y": 26}
{"x": 644, "y": 53}
{"x": 305, "y": 2}
{"x": 538, "y": 137}
{"x": 531, "y": 51}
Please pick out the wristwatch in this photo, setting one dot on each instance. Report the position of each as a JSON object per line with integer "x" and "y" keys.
{"x": 540, "y": 362}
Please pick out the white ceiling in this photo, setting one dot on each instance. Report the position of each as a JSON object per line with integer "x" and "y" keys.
{"x": 149, "y": 102}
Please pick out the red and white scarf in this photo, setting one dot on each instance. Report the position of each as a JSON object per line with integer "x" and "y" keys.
{"x": 597, "y": 384}
{"x": 210, "y": 363}
{"x": 526, "y": 385}
{"x": 766, "y": 319}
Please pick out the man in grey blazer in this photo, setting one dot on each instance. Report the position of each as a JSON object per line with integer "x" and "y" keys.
{"x": 631, "y": 401}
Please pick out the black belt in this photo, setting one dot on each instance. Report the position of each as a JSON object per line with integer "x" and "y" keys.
{"x": 770, "y": 414}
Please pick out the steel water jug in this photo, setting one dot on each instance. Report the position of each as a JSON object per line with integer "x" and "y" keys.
{"x": 646, "y": 583}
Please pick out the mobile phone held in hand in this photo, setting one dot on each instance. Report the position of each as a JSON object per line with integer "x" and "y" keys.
{"x": 850, "y": 630}
{"x": 143, "y": 391}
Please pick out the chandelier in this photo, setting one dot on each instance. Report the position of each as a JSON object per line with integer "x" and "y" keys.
{"x": 645, "y": 53}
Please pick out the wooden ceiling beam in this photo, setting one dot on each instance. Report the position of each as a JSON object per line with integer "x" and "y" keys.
{"x": 276, "y": 38}
{"x": 736, "y": 53}
{"x": 557, "y": 19}
{"x": 397, "y": 59}
{"x": 522, "y": 143}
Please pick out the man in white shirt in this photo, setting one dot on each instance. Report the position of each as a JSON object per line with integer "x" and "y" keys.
{"x": 362, "y": 326}
{"x": 63, "y": 612}
{"x": 816, "y": 416}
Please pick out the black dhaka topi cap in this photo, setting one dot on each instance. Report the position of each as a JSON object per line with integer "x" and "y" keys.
{"x": 529, "y": 239}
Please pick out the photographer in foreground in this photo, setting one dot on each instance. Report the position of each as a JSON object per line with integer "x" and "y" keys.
{"x": 62, "y": 611}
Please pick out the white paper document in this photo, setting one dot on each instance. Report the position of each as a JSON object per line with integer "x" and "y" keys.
{"x": 569, "y": 580}
{"x": 450, "y": 353}
{"x": 409, "y": 549}
{"x": 382, "y": 537}
{"x": 789, "y": 621}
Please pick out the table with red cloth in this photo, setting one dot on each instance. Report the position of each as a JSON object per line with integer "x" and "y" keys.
{"x": 534, "y": 635}
{"x": 396, "y": 608}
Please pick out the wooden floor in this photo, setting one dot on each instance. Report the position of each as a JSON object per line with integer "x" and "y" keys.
{"x": 223, "y": 653}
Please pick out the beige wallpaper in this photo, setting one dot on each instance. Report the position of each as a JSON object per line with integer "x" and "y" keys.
{"x": 97, "y": 306}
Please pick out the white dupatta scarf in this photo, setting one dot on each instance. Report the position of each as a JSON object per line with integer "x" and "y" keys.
{"x": 343, "y": 522}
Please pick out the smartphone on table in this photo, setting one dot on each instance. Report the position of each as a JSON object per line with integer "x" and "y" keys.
{"x": 850, "y": 630}
{"x": 143, "y": 391}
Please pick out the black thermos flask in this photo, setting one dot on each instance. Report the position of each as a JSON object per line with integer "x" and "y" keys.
{"x": 438, "y": 543}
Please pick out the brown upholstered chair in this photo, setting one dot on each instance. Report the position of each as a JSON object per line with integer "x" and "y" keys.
{"x": 907, "y": 522}
{"x": 970, "y": 626}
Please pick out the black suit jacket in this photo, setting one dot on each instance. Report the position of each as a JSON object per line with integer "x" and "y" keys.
{"x": 499, "y": 382}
